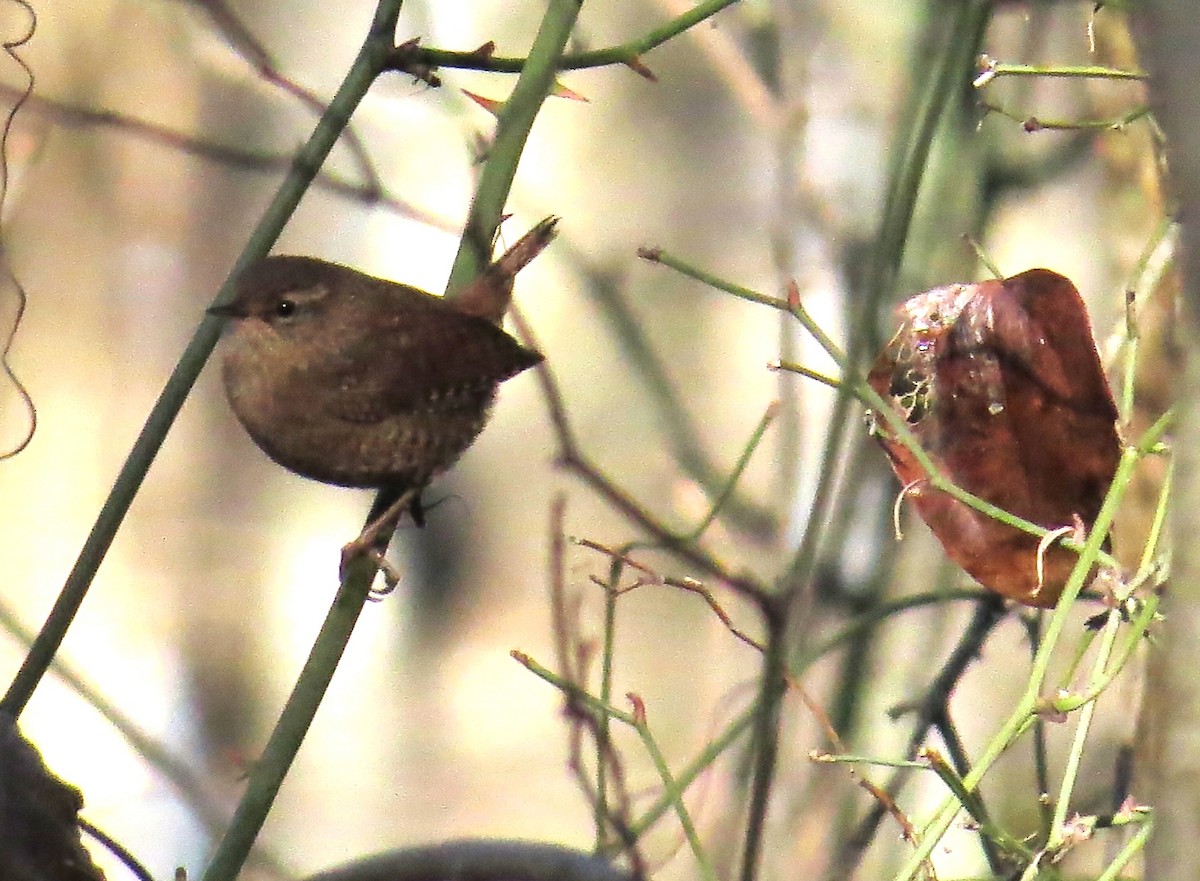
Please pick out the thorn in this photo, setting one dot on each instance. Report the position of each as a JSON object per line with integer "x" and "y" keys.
{"x": 558, "y": 90}
{"x": 491, "y": 105}
{"x": 639, "y": 707}
{"x": 634, "y": 63}
{"x": 793, "y": 294}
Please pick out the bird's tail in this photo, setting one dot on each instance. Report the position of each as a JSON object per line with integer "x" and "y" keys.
{"x": 489, "y": 294}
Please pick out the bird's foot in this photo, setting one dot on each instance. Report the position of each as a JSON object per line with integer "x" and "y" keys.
{"x": 372, "y": 542}
{"x": 391, "y": 575}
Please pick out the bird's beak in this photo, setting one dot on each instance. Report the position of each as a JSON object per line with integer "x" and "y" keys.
{"x": 226, "y": 310}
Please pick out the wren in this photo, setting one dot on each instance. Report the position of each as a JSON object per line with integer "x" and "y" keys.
{"x": 362, "y": 382}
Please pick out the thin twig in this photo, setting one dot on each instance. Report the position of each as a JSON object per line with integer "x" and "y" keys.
{"x": 67, "y": 114}
{"x": 412, "y": 55}
{"x": 687, "y": 584}
{"x": 242, "y": 40}
{"x": 881, "y": 796}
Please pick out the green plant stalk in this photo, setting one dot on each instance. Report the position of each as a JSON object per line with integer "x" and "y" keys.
{"x": 873, "y": 761}
{"x": 672, "y": 790}
{"x": 739, "y": 468}
{"x": 302, "y": 704}
{"x": 327, "y": 650}
{"x": 974, "y": 806}
{"x": 1118, "y": 123}
{"x": 940, "y": 88}
{"x": 625, "y": 53}
{"x": 1102, "y": 675}
{"x": 692, "y": 771}
{"x": 367, "y": 66}
{"x": 866, "y": 620}
{"x": 1129, "y": 375}
{"x": 512, "y": 129}
{"x": 983, "y": 257}
{"x": 1145, "y": 616}
{"x": 1075, "y": 757}
{"x": 1150, "y": 551}
{"x": 1136, "y": 632}
{"x": 809, "y": 373}
{"x": 1019, "y": 720}
{"x": 1084, "y": 71}
{"x": 271, "y": 768}
{"x": 606, "y": 682}
{"x": 1128, "y": 852}
{"x": 573, "y": 690}
{"x": 1140, "y": 281}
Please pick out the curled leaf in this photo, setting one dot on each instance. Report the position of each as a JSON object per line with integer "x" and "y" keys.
{"x": 1001, "y": 384}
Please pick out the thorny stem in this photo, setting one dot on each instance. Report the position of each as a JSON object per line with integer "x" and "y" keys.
{"x": 512, "y": 129}
{"x": 411, "y": 55}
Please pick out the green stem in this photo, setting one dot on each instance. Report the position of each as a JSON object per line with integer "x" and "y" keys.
{"x": 1075, "y": 757}
{"x": 674, "y": 791}
{"x": 512, "y": 130}
{"x": 269, "y": 771}
{"x": 1022, "y": 715}
{"x": 995, "y": 70}
{"x": 573, "y": 690}
{"x": 625, "y": 53}
{"x": 1132, "y": 848}
{"x": 739, "y": 468}
{"x": 606, "y": 687}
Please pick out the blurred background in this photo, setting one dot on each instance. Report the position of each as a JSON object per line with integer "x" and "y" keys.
{"x": 760, "y": 153}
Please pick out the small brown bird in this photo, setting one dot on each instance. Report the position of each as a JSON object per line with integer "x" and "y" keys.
{"x": 358, "y": 381}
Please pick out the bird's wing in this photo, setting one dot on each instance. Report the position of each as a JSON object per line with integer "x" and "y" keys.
{"x": 421, "y": 357}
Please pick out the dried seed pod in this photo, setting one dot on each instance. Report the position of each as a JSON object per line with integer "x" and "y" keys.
{"x": 1001, "y": 383}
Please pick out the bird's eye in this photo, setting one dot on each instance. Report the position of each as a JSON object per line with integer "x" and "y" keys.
{"x": 285, "y": 308}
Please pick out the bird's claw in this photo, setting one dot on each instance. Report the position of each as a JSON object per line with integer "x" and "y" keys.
{"x": 356, "y": 549}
